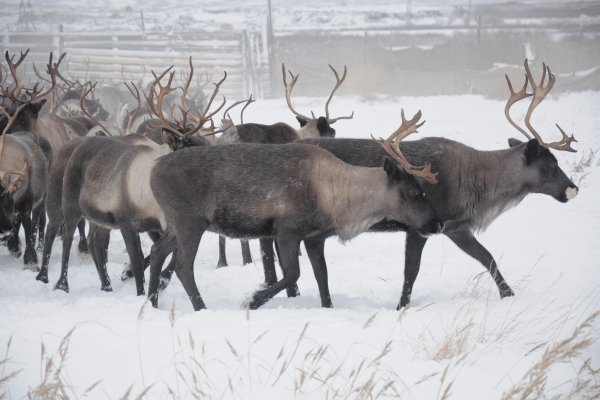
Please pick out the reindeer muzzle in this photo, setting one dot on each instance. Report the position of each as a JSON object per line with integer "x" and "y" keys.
{"x": 571, "y": 193}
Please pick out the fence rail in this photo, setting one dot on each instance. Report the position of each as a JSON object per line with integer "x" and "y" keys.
{"x": 117, "y": 56}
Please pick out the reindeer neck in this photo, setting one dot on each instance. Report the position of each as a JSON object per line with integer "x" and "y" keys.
{"x": 491, "y": 184}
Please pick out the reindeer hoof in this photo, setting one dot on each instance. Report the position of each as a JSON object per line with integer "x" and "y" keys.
{"x": 106, "y": 288}
{"x": 127, "y": 273}
{"x": 62, "y": 285}
{"x": 222, "y": 264}
{"x": 30, "y": 259}
{"x": 404, "y": 301}
{"x": 163, "y": 283}
{"x": 15, "y": 253}
{"x": 506, "y": 291}
{"x": 42, "y": 276}
{"x": 253, "y": 302}
{"x": 83, "y": 247}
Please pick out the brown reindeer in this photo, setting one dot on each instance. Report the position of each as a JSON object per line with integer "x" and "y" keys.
{"x": 293, "y": 192}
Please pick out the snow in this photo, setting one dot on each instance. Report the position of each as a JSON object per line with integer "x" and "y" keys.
{"x": 457, "y": 330}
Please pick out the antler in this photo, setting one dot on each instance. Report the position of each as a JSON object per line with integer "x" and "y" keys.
{"x": 157, "y": 109}
{"x": 132, "y": 115}
{"x": 539, "y": 93}
{"x": 515, "y": 97}
{"x": 288, "y": 91}
{"x": 392, "y": 146}
{"x": 248, "y": 102}
{"x": 206, "y": 116}
{"x": 180, "y": 128}
{"x": 88, "y": 88}
{"x": 338, "y": 83}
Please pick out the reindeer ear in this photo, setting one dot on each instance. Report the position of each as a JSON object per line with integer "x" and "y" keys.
{"x": 532, "y": 151}
{"x": 37, "y": 107}
{"x": 512, "y": 142}
{"x": 393, "y": 170}
{"x": 303, "y": 121}
{"x": 323, "y": 126}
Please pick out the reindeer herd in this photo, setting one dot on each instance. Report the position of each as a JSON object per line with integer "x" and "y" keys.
{"x": 72, "y": 152}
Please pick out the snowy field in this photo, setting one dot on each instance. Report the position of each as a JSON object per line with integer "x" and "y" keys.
{"x": 457, "y": 339}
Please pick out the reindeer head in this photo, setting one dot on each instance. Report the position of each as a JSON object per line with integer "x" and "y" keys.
{"x": 20, "y": 106}
{"x": 313, "y": 126}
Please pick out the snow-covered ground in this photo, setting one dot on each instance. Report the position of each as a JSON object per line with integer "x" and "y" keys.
{"x": 457, "y": 340}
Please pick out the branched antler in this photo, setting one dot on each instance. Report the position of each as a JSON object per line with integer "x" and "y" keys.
{"x": 539, "y": 93}
{"x": 181, "y": 128}
{"x": 288, "y": 90}
{"x": 338, "y": 83}
{"x": 87, "y": 89}
{"x": 392, "y": 146}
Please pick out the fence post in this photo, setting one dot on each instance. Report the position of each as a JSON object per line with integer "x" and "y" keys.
{"x": 270, "y": 49}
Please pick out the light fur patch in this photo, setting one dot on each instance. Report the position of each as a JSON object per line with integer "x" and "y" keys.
{"x": 309, "y": 130}
{"x": 138, "y": 188}
{"x": 353, "y": 197}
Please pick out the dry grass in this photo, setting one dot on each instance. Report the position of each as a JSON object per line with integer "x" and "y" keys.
{"x": 4, "y": 377}
{"x": 309, "y": 368}
{"x": 533, "y": 385}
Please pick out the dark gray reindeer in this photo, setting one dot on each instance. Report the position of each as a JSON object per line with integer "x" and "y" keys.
{"x": 24, "y": 162}
{"x": 278, "y": 133}
{"x": 106, "y": 181}
{"x": 292, "y": 192}
{"x": 474, "y": 187}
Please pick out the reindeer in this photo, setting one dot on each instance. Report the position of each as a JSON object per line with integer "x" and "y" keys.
{"x": 475, "y": 187}
{"x": 24, "y": 162}
{"x": 107, "y": 182}
{"x": 292, "y": 192}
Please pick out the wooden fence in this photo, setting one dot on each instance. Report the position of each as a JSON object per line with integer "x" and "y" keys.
{"x": 118, "y": 56}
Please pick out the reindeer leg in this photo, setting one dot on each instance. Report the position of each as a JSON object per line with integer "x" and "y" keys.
{"x": 13, "y": 242}
{"x": 132, "y": 243}
{"x": 51, "y": 232}
{"x": 465, "y": 240}
{"x": 246, "y": 255}
{"x": 83, "y": 245}
{"x": 71, "y": 219}
{"x": 30, "y": 258}
{"x": 412, "y": 262}
{"x": 187, "y": 249}
{"x": 159, "y": 252}
{"x": 167, "y": 273}
{"x": 222, "y": 256}
{"x": 293, "y": 290}
{"x": 99, "y": 238}
{"x": 315, "y": 248}
{"x": 289, "y": 256}
{"x": 41, "y": 226}
{"x": 268, "y": 259}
